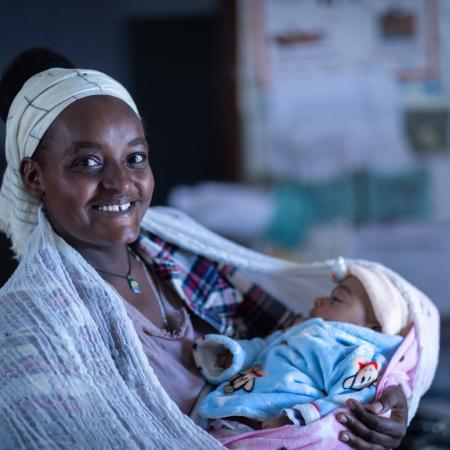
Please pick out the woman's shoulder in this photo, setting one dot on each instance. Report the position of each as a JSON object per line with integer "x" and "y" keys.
{"x": 15, "y": 290}
{"x": 35, "y": 291}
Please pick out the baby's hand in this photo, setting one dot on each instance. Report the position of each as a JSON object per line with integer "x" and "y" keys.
{"x": 225, "y": 359}
{"x": 276, "y": 422}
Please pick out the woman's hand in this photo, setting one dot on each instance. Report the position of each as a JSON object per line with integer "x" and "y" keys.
{"x": 367, "y": 430}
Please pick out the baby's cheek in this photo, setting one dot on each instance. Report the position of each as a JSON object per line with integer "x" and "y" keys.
{"x": 353, "y": 316}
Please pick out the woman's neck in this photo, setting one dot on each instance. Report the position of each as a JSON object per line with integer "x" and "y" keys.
{"x": 111, "y": 259}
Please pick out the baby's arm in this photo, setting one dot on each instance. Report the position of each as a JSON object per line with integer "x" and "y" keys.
{"x": 219, "y": 357}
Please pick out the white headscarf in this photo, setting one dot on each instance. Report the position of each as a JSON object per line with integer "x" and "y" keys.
{"x": 42, "y": 98}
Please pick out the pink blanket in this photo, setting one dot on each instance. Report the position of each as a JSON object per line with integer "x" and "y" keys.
{"x": 323, "y": 433}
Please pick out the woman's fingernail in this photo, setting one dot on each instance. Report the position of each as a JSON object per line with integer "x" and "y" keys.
{"x": 351, "y": 404}
{"x": 377, "y": 407}
{"x": 344, "y": 437}
{"x": 341, "y": 419}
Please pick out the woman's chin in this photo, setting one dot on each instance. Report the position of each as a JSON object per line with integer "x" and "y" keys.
{"x": 128, "y": 238}
{"x": 116, "y": 236}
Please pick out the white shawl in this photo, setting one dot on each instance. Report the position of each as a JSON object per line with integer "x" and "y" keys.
{"x": 73, "y": 372}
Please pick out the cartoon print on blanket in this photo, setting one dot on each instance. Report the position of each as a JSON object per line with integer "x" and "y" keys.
{"x": 244, "y": 380}
{"x": 366, "y": 376}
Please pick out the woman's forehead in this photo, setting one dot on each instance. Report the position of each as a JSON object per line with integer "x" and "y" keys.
{"x": 87, "y": 107}
{"x": 88, "y": 117}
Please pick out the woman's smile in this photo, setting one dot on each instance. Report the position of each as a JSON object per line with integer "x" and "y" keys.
{"x": 121, "y": 206}
{"x": 114, "y": 208}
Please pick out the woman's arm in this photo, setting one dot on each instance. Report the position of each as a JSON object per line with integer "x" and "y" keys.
{"x": 367, "y": 430}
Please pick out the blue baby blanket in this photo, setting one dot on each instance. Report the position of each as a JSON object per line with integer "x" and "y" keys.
{"x": 305, "y": 372}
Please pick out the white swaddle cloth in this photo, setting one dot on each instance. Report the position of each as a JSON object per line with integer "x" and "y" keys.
{"x": 42, "y": 98}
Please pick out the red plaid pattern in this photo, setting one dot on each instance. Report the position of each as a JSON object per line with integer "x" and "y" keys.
{"x": 215, "y": 292}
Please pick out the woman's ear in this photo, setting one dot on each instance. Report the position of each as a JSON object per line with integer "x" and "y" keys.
{"x": 30, "y": 173}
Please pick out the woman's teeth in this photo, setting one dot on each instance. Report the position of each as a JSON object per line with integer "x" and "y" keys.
{"x": 114, "y": 208}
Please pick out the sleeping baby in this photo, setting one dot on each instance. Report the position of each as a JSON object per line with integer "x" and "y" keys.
{"x": 299, "y": 375}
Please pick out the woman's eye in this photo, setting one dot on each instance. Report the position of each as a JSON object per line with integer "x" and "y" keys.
{"x": 88, "y": 162}
{"x": 136, "y": 158}
{"x": 335, "y": 299}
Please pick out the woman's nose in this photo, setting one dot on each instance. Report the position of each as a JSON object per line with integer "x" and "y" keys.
{"x": 116, "y": 177}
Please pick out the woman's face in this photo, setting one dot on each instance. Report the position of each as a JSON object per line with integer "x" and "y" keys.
{"x": 94, "y": 175}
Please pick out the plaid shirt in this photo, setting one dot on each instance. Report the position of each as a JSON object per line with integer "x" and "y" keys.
{"x": 215, "y": 292}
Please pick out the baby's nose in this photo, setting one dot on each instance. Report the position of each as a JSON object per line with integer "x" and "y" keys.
{"x": 318, "y": 302}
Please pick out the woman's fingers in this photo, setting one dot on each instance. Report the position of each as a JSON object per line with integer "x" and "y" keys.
{"x": 391, "y": 426}
{"x": 368, "y": 429}
{"x": 358, "y": 443}
{"x": 362, "y": 436}
{"x": 394, "y": 399}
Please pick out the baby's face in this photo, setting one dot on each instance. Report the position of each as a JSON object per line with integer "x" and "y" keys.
{"x": 348, "y": 302}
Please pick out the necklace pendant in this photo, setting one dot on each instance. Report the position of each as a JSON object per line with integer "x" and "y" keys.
{"x": 134, "y": 285}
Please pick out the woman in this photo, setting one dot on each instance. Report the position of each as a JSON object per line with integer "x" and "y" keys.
{"x": 75, "y": 370}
